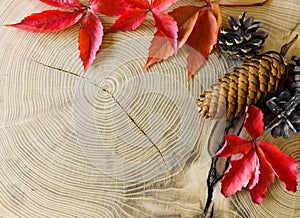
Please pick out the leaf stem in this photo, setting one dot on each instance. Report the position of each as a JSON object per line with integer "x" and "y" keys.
{"x": 244, "y": 5}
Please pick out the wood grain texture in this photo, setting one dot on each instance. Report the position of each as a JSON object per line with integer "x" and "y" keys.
{"x": 75, "y": 145}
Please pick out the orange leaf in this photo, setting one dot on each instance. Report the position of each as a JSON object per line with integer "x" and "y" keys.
{"x": 201, "y": 41}
{"x": 217, "y": 12}
{"x": 186, "y": 17}
{"x": 90, "y": 38}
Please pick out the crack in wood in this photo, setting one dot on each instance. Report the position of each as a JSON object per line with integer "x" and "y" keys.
{"x": 219, "y": 165}
{"x": 113, "y": 97}
{"x": 55, "y": 68}
{"x": 134, "y": 122}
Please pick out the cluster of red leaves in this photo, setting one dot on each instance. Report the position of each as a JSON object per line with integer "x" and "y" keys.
{"x": 194, "y": 27}
{"x": 197, "y": 27}
{"x": 258, "y": 162}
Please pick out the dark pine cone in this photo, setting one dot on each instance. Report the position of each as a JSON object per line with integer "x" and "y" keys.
{"x": 283, "y": 110}
{"x": 242, "y": 39}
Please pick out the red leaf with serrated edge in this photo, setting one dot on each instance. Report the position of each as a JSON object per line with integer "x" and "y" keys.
{"x": 201, "y": 41}
{"x": 254, "y": 124}
{"x": 239, "y": 174}
{"x": 48, "y": 21}
{"x": 130, "y": 20}
{"x": 66, "y": 4}
{"x": 90, "y": 38}
{"x": 266, "y": 177}
{"x": 284, "y": 166}
{"x": 161, "y": 49}
{"x": 165, "y": 24}
{"x": 234, "y": 145}
{"x": 161, "y": 5}
{"x": 143, "y": 4}
{"x": 109, "y": 7}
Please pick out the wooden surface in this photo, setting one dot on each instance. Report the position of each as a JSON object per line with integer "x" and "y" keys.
{"x": 75, "y": 145}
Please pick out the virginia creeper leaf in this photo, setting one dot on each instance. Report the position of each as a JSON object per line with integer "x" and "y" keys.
{"x": 186, "y": 18}
{"x": 284, "y": 166}
{"x": 161, "y": 5}
{"x": 90, "y": 38}
{"x": 165, "y": 24}
{"x": 142, "y": 4}
{"x": 130, "y": 20}
{"x": 266, "y": 177}
{"x": 66, "y": 4}
{"x": 201, "y": 40}
{"x": 48, "y": 21}
{"x": 234, "y": 145}
{"x": 260, "y": 170}
{"x": 161, "y": 49}
{"x": 239, "y": 174}
{"x": 109, "y": 7}
{"x": 254, "y": 124}
{"x": 217, "y": 12}
{"x": 255, "y": 177}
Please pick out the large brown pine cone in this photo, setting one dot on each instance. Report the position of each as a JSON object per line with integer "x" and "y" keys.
{"x": 244, "y": 86}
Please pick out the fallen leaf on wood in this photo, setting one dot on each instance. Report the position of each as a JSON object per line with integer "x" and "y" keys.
{"x": 258, "y": 162}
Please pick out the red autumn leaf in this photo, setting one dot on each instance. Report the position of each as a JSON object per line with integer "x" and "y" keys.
{"x": 66, "y": 4}
{"x": 284, "y": 166}
{"x": 237, "y": 146}
{"x": 143, "y": 4}
{"x": 133, "y": 18}
{"x": 162, "y": 5}
{"x": 90, "y": 38}
{"x": 253, "y": 123}
{"x": 257, "y": 164}
{"x": 109, "y": 7}
{"x": 161, "y": 48}
{"x": 198, "y": 28}
{"x": 239, "y": 174}
{"x": 255, "y": 177}
{"x": 166, "y": 25}
{"x": 263, "y": 180}
{"x": 130, "y": 20}
{"x": 91, "y": 31}
{"x": 48, "y": 21}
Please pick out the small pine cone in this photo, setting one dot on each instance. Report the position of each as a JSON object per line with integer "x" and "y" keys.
{"x": 242, "y": 39}
{"x": 283, "y": 110}
{"x": 244, "y": 86}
